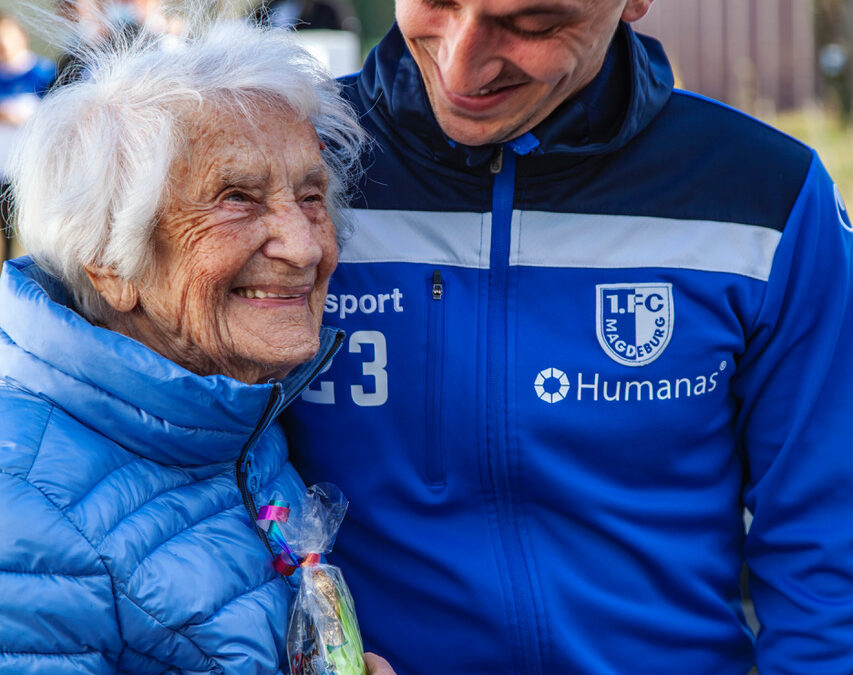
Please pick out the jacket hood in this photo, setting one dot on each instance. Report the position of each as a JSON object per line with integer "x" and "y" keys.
{"x": 121, "y": 388}
{"x": 634, "y": 84}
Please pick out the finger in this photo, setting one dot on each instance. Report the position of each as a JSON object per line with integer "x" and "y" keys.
{"x": 376, "y": 665}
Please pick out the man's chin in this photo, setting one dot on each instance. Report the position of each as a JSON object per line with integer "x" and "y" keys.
{"x": 474, "y": 133}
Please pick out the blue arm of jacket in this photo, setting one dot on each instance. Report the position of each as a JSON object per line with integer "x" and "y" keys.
{"x": 48, "y": 572}
{"x": 795, "y": 385}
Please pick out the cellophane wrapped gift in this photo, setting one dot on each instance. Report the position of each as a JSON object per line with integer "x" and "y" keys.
{"x": 322, "y": 634}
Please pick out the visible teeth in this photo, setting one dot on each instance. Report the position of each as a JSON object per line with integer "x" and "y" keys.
{"x": 483, "y": 92}
{"x": 257, "y": 293}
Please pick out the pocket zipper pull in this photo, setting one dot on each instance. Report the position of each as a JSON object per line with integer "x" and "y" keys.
{"x": 437, "y": 286}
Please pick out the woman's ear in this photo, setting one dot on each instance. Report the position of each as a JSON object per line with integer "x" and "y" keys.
{"x": 635, "y": 9}
{"x": 119, "y": 293}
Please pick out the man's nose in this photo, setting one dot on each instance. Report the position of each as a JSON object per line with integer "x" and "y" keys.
{"x": 293, "y": 237}
{"x": 468, "y": 57}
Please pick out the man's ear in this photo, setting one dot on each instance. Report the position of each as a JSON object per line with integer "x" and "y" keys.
{"x": 119, "y": 293}
{"x": 635, "y": 9}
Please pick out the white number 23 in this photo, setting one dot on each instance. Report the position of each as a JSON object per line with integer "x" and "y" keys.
{"x": 374, "y": 368}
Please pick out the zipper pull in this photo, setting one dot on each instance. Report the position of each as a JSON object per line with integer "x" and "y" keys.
{"x": 437, "y": 286}
{"x": 253, "y": 480}
{"x": 497, "y": 163}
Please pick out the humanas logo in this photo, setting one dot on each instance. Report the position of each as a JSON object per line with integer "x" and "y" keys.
{"x": 553, "y": 385}
{"x": 345, "y": 304}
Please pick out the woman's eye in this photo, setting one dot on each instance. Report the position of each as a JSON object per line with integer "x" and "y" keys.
{"x": 314, "y": 198}
{"x": 236, "y": 197}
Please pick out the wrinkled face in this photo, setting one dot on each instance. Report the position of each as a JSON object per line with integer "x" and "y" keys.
{"x": 244, "y": 251}
{"x": 494, "y": 69}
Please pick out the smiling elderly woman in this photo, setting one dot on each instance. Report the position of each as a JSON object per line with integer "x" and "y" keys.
{"x": 179, "y": 208}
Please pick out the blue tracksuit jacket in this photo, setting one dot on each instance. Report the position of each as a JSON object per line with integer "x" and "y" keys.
{"x": 572, "y": 361}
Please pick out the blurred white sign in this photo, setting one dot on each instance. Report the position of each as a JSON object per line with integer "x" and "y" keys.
{"x": 338, "y": 50}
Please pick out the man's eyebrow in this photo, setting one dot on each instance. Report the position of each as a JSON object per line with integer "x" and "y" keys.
{"x": 562, "y": 10}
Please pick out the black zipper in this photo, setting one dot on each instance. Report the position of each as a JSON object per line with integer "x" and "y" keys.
{"x": 274, "y": 406}
{"x": 435, "y": 381}
{"x": 496, "y": 164}
{"x": 244, "y": 462}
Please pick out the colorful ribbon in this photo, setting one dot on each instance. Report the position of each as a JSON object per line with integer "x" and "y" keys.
{"x": 286, "y": 562}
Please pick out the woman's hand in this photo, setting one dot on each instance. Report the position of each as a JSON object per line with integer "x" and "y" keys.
{"x": 376, "y": 665}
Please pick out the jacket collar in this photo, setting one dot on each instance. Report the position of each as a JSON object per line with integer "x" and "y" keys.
{"x": 121, "y": 388}
{"x": 631, "y": 88}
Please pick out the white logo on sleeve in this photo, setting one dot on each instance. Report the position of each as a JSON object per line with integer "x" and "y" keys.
{"x": 843, "y": 216}
{"x": 634, "y": 321}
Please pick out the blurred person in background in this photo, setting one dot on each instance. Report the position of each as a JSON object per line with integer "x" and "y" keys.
{"x": 180, "y": 206}
{"x": 24, "y": 76}
{"x": 99, "y": 24}
{"x": 307, "y": 14}
{"x": 24, "y": 79}
{"x": 328, "y": 30}
{"x": 590, "y": 319}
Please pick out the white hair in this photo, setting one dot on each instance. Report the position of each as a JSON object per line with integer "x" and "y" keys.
{"x": 90, "y": 174}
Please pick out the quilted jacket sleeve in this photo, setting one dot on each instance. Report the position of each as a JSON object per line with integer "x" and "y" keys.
{"x": 57, "y": 613}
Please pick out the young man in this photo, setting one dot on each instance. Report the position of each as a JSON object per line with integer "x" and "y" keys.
{"x": 590, "y": 319}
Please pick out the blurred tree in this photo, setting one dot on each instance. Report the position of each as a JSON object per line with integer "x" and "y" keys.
{"x": 376, "y": 18}
{"x": 834, "y": 37}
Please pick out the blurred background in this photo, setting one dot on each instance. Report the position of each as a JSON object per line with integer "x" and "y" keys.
{"x": 788, "y": 62}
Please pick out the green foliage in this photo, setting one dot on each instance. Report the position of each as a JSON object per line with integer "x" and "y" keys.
{"x": 376, "y": 18}
{"x": 825, "y": 133}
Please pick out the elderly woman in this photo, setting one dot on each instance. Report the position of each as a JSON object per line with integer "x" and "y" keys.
{"x": 179, "y": 207}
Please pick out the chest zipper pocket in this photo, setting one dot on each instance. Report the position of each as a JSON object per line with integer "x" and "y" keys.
{"x": 435, "y": 380}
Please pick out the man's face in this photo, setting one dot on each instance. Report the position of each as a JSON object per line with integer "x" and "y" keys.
{"x": 494, "y": 69}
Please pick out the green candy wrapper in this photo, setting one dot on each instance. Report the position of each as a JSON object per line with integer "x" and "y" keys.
{"x": 322, "y": 634}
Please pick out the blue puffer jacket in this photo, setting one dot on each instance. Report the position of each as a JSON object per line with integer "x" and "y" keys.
{"x": 128, "y": 489}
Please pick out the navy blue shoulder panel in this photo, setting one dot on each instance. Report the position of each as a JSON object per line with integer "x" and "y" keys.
{"x": 404, "y": 181}
{"x": 398, "y": 176}
{"x": 698, "y": 160}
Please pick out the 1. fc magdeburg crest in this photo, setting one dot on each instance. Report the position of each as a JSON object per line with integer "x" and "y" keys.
{"x": 633, "y": 321}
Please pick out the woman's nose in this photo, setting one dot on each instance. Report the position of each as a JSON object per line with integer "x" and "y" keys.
{"x": 293, "y": 237}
